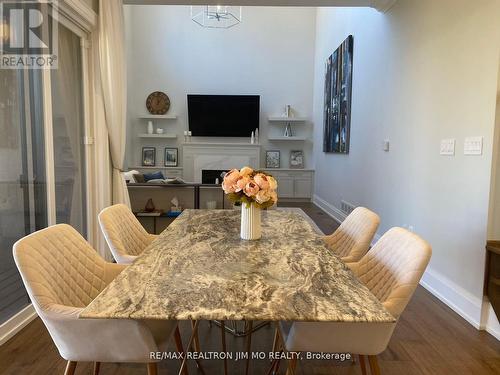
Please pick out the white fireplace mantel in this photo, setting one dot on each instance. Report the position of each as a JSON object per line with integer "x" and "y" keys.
{"x": 197, "y": 156}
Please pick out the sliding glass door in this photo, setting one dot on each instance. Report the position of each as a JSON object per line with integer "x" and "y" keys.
{"x": 23, "y": 193}
{"x": 42, "y": 157}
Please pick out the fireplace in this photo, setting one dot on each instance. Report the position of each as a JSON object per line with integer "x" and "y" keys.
{"x": 209, "y": 176}
{"x": 198, "y": 157}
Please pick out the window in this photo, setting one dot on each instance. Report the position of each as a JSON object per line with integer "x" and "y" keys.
{"x": 68, "y": 130}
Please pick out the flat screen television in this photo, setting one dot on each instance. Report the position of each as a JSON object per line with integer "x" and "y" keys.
{"x": 223, "y": 115}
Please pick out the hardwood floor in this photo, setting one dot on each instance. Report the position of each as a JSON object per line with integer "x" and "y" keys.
{"x": 430, "y": 339}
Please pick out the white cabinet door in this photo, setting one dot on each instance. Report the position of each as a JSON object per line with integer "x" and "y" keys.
{"x": 302, "y": 188}
{"x": 285, "y": 187}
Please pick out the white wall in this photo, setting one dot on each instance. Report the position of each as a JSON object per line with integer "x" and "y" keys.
{"x": 424, "y": 71}
{"x": 271, "y": 54}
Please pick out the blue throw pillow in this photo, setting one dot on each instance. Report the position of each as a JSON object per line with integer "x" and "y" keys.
{"x": 153, "y": 176}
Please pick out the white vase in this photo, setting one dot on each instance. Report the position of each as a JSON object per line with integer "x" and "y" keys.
{"x": 250, "y": 222}
{"x": 150, "y": 127}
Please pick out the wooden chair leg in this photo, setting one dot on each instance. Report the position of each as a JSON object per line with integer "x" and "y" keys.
{"x": 196, "y": 341}
{"x": 97, "y": 368}
{"x": 374, "y": 369}
{"x": 179, "y": 346}
{"x": 362, "y": 364}
{"x": 292, "y": 364}
{"x": 152, "y": 368}
{"x": 70, "y": 368}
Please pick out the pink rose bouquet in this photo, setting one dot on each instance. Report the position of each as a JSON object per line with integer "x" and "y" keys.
{"x": 249, "y": 186}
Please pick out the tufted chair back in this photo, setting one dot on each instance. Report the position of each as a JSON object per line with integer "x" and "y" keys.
{"x": 63, "y": 274}
{"x": 353, "y": 238}
{"x": 59, "y": 267}
{"x": 124, "y": 234}
{"x": 393, "y": 268}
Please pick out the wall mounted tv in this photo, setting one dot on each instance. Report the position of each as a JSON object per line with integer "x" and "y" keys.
{"x": 223, "y": 115}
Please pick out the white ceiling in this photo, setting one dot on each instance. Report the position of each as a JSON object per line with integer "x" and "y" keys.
{"x": 381, "y": 5}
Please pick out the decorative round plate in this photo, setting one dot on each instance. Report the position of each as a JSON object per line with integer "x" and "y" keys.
{"x": 158, "y": 103}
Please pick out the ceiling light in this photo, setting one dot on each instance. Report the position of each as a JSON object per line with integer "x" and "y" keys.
{"x": 216, "y": 16}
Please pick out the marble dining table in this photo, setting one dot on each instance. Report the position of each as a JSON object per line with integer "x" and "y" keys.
{"x": 199, "y": 269}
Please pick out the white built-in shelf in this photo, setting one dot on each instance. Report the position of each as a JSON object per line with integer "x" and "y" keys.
{"x": 286, "y": 139}
{"x": 158, "y": 117}
{"x": 171, "y": 136}
{"x": 229, "y": 144}
{"x": 287, "y": 119}
{"x": 156, "y": 167}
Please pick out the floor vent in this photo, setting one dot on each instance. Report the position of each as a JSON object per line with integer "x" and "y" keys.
{"x": 346, "y": 207}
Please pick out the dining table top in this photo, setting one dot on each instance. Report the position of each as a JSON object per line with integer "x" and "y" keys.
{"x": 200, "y": 269}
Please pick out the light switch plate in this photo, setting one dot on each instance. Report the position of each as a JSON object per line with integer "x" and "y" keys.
{"x": 386, "y": 145}
{"x": 473, "y": 146}
{"x": 447, "y": 147}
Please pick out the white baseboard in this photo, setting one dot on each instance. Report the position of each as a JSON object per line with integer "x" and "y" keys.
{"x": 464, "y": 303}
{"x": 458, "y": 299}
{"x": 490, "y": 320}
{"x": 331, "y": 210}
{"x": 16, "y": 323}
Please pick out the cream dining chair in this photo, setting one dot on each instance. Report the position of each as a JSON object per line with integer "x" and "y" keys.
{"x": 125, "y": 235}
{"x": 353, "y": 237}
{"x": 63, "y": 274}
{"x": 391, "y": 270}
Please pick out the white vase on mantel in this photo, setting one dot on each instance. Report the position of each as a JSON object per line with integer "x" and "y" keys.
{"x": 250, "y": 222}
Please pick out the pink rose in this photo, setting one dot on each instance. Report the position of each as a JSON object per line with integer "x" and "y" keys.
{"x": 228, "y": 188}
{"x": 242, "y": 182}
{"x": 261, "y": 180}
{"x": 251, "y": 189}
{"x": 245, "y": 171}
{"x": 263, "y": 196}
{"x": 274, "y": 196}
{"x": 273, "y": 184}
{"x": 231, "y": 177}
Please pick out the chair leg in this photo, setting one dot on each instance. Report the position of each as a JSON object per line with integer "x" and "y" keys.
{"x": 196, "y": 341}
{"x": 152, "y": 368}
{"x": 70, "y": 368}
{"x": 179, "y": 346}
{"x": 97, "y": 368}
{"x": 375, "y": 370}
{"x": 292, "y": 364}
{"x": 276, "y": 339}
{"x": 362, "y": 364}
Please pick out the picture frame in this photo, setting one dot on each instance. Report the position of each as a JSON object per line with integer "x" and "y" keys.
{"x": 273, "y": 159}
{"x": 148, "y": 156}
{"x": 171, "y": 157}
{"x": 297, "y": 159}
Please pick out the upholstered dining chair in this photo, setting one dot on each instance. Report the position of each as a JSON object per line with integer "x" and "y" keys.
{"x": 125, "y": 235}
{"x": 353, "y": 237}
{"x": 391, "y": 270}
{"x": 63, "y": 274}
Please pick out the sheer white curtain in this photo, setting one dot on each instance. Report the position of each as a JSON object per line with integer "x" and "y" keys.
{"x": 112, "y": 67}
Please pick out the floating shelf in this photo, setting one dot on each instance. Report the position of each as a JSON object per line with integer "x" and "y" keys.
{"x": 287, "y": 119}
{"x": 285, "y": 139}
{"x": 171, "y": 136}
{"x": 223, "y": 144}
{"x": 156, "y": 167}
{"x": 158, "y": 117}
